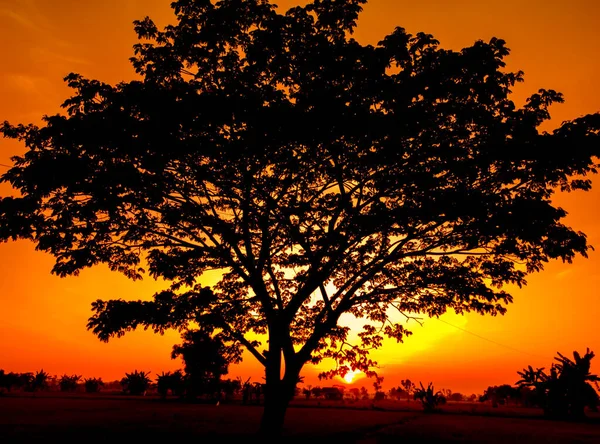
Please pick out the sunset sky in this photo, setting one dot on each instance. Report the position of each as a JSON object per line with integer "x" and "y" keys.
{"x": 42, "y": 317}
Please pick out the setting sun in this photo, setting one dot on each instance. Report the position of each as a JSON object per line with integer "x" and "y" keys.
{"x": 349, "y": 377}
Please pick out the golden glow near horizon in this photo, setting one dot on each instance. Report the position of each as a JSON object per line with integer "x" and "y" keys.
{"x": 42, "y": 317}
{"x": 351, "y": 375}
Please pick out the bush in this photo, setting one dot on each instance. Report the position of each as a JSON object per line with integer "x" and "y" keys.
{"x": 429, "y": 398}
{"x": 68, "y": 383}
{"x": 173, "y": 382}
{"x": 93, "y": 385}
{"x": 135, "y": 383}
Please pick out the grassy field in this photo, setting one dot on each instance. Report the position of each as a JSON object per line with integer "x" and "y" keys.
{"x": 53, "y": 417}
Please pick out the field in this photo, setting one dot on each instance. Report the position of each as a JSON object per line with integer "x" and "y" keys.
{"x": 55, "y": 417}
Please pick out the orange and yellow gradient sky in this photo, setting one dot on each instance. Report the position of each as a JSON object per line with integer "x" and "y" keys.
{"x": 42, "y": 317}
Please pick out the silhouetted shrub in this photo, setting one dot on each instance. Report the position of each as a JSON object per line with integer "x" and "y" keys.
{"x": 173, "y": 382}
{"x": 429, "y": 398}
{"x": 68, "y": 383}
{"x": 93, "y": 385}
{"x": 135, "y": 383}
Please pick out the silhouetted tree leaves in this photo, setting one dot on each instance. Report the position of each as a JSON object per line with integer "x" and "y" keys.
{"x": 429, "y": 398}
{"x": 320, "y": 175}
{"x": 136, "y": 383}
{"x": 206, "y": 360}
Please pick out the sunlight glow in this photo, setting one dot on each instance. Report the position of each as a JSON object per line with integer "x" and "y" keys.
{"x": 350, "y": 376}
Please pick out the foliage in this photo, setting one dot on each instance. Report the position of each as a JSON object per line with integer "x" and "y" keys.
{"x": 364, "y": 393}
{"x": 398, "y": 393}
{"x": 456, "y": 397}
{"x": 68, "y": 383}
{"x": 320, "y": 175}
{"x": 206, "y": 358}
{"x": 230, "y": 387}
{"x": 40, "y": 381}
{"x": 500, "y": 394}
{"x": 252, "y": 392}
{"x": 355, "y": 392}
{"x": 12, "y": 380}
{"x": 409, "y": 387}
{"x": 429, "y": 397}
{"x": 566, "y": 391}
{"x": 379, "y": 395}
{"x": 317, "y": 392}
{"x": 174, "y": 382}
{"x": 93, "y": 385}
{"x": 136, "y": 383}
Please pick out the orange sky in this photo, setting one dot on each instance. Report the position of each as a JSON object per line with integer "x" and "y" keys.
{"x": 42, "y": 317}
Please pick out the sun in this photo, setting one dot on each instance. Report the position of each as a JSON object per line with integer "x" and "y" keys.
{"x": 351, "y": 375}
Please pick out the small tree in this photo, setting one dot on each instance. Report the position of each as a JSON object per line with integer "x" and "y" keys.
{"x": 379, "y": 394}
{"x": 364, "y": 393}
{"x": 93, "y": 385}
{"x": 11, "y": 380}
{"x": 409, "y": 388}
{"x": 136, "y": 383}
{"x": 456, "y": 397}
{"x": 429, "y": 397}
{"x": 397, "y": 393}
{"x": 206, "y": 358}
{"x": 230, "y": 387}
{"x": 317, "y": 392}
{"x": 355, "y": 392}
{"x": 307, "y": 391}
{"x": 40, "y": 381}
{"x": 68, "y": 383}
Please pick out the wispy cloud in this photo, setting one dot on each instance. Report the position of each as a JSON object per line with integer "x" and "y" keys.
{"x": 563, "y": 274}
{"x": 21, "y": 19}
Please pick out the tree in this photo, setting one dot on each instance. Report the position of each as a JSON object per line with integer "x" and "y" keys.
{"x": 409, "y": 387}
{"x": 93, "y": 385}
{"x": 40, "y": 381}
{"x": 68, "y": 383}
{"x": 206, "y": 359}
{"x": 397, "y": 393}
{"x": 174, "y": 382}
{"x": 456, "y": 397}
{"x": 567, "y": 390}
{"x": 377, "y": 385}
{"x": 320, "y": 175}
{"x": 136, "y": 383}
{"x": 429, "y": 398}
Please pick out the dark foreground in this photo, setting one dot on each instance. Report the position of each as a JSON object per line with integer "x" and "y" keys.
{"x": 58, "y": 418}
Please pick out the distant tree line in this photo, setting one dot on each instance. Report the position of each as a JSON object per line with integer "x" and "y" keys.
{"x": 565, "y": 392}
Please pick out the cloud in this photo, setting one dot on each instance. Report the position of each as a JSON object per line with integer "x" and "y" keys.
{"x": 20, "y": 19}
{"x": 48, "y": 56}
{"x": 564, "y": 273}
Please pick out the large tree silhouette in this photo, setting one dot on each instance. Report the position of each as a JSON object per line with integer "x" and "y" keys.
{"x": 320, "y": 175}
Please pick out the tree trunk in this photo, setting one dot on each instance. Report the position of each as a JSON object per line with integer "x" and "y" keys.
{"x": 276, "y": 404}
{"x": 278, "y": 392}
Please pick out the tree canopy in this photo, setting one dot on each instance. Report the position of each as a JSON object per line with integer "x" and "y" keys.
{"x": 322, "y": 176}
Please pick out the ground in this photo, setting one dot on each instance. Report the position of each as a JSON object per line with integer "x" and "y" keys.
{"x": 55, "y": 417}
